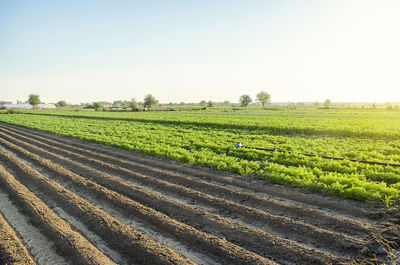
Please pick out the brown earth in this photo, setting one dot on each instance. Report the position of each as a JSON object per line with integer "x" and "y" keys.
{"x": 102, "y": 205}
{"x": 12, "y": 251}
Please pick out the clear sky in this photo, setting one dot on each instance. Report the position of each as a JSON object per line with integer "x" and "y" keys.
{"x": 189, "y": 50}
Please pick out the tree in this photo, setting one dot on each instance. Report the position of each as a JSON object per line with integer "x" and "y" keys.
{"x": 210, "y": 104}
{"x": 327, "y": 103}
{"x": 133, "y": 105}
{"x": 125, "y": 104}
{"x": 245, "y": 100}
{"x": 117, "y": 104}
{"x": 264, "y": 98}
{"x": 62, "y": 104}
{"x": 34, "y": 100}
{"x": 150, "y": 101}
{"x": 98, "y": 106}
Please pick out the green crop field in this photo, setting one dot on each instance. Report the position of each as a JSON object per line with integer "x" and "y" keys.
{"x": 208, "y": 138}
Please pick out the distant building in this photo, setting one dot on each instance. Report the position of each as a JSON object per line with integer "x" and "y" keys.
{"x": 5, "y": 103}
{"x": 18, "y": 106}
{"x": 106, "y": 104}
{"x": 28, "y": 106}
{"x": 46, "y": 106}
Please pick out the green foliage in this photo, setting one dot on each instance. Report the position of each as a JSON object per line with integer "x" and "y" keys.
{"x": 62, "y": 104}
{"x": 245, "y": 100}
{"x": 98, "y": 106}
{"x": 133, "y": 105}
{"x": 327, "y": 103}
{"x": 264, "y": 98}
{"x": 34, "y": 100}
{"x": 150, "y": 101}
{"x": 207, "y": 139}
{"x": 9, "y": 111}
{"x": 123, "y": 104}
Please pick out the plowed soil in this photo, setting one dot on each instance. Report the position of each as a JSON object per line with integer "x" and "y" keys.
{"x": 68, "y": 201}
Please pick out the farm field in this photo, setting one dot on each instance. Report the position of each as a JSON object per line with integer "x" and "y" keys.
{"x": 207, "y": 139}
{"x": 200, "y": 132}
{"x": 67, "y": 201}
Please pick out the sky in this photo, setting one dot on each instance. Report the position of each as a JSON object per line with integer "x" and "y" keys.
{"x": 187, "y": 50}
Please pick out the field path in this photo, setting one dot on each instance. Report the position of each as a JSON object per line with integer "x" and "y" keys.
{"x": 93, "y": 204}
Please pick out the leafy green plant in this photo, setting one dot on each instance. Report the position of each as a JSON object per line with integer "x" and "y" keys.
{"x": 207, "y": 139}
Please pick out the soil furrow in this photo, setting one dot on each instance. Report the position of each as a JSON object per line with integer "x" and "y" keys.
{"x": 192, "y": 210}
{"x": 369, "y": 212}
{"x": 41, "y": 248}
{"x": 320, "y": 219}
{"x": 68, "y": 241}
{"x": 248, "y": 237}
{"x": 119, "y": 213}
{"x": 147, "y": 229}
{"x": 299, "y": 231}
{"x": 81, "y": 169}
{"x": 138, "y": 247}
{"x": 12, "y": 251}
{"x": 231, "y": 254}
{"x": 92, "y": 237}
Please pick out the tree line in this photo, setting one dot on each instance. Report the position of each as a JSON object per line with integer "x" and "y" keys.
{"x": 263, "y": 98}
{"x": 150, "y": 101}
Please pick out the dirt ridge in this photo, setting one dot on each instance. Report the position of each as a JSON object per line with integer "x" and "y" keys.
{"x": 250, "y": 236}
{"x": 119, "y": 234}
{"x": 366, "y": 212}
{"x": 11, "y": 248}
{"x": 220, "y": 215}
{"x": 324, "y": 220}
{"x": 297, "y": 230}
{"x": 71, "y": 242}
{"x": 230, "y": 252}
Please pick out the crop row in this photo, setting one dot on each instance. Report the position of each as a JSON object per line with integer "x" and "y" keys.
{"x": 366, "y": 126}
{"x": 379, "y": 149}
{"x": 208, "y": 146}
{"x": 135, "y": 209}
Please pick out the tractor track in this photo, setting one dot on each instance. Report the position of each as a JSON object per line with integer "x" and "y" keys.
{"x": 134, "y": 209}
